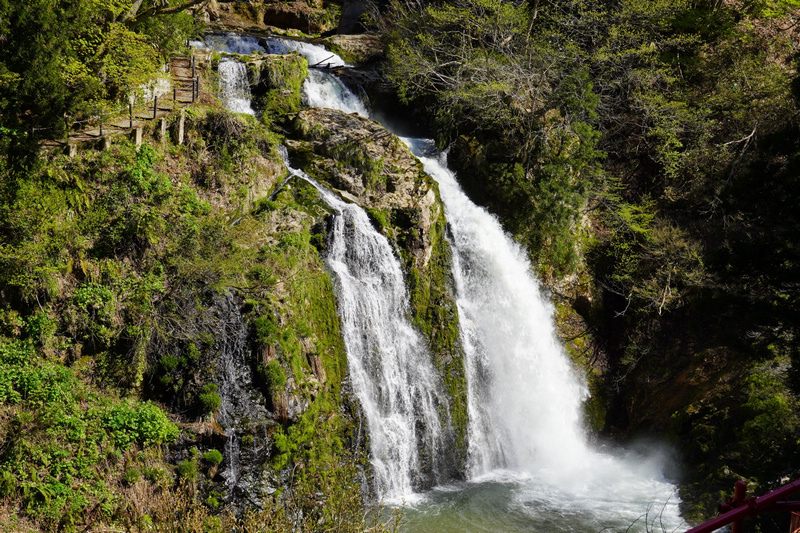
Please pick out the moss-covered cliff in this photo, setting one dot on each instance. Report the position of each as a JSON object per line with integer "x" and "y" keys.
{"x": 133, "y": 278}
{"x": 373, "y": 168}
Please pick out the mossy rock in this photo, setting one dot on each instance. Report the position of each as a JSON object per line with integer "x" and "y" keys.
{"x": 276, "y": 82}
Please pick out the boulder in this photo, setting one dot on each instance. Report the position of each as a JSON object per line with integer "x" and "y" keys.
{"x": 356, "y": 49}
{"x": 373, "y": 168}
{"x": 276, "y": 82}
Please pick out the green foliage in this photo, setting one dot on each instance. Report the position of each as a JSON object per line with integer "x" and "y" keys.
{"x": 771, "y": 430}
{"x": 131, "y": 476}
{"x": 771, "y": 8}
{"x": 79, "y": 57}
{"x": 59, "y": 458}
{"x": 208, "y": 399}
{"x": 277, "y": 82}
{"x": 266, "y": 327}
{"x": 516, "y": 102}
{"x": 187, "y": 470}
{"x": 274, "y": 377}
{"x": 310, "y": 439}
{"x": 143, "y": 423}
{"x": 212, "y": 457}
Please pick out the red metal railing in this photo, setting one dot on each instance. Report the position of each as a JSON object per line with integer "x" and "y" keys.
{"x": 735, "y": 510}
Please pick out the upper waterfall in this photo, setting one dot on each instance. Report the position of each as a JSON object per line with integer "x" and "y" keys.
{"x": 237, "y": 43}
{"x": 235, "y": 87}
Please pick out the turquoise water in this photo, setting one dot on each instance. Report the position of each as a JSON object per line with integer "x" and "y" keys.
{"x": 521, "y": 505}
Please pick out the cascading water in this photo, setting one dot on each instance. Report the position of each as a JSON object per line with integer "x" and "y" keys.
{"x": 524, "y": 398}
{"x": 237, "y": 399}
{"x": 525, "y": 434}
{"x": 389, "y": 365}
{"x": 530, "y": 467}
{"x": 322, "y": 89}
{"x": 234, "y": 86}
{"x": 237, "y": 43}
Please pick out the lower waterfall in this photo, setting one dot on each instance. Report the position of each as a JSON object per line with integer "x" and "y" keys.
{"x": 389, "y": 365}
{"x": 526, "y": 440}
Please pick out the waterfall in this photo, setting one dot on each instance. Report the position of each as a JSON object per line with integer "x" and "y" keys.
{"x": 389, "y": 364}
{"x": 524, "y": 398}
{"x": 234, "y": 86}
{"x": 529, "y": 465}
{"x": 238, "y": 402}
{"x": 322, "y": 89}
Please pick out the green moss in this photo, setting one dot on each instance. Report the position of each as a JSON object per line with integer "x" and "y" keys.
{"x": 436, "y": 315}
{"x": 277, "y": 83}
{"x": 212, "y": 457}
{"x": 274, "y": 376}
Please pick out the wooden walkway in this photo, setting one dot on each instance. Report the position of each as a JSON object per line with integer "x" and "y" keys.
{"x": 186, "y": 73}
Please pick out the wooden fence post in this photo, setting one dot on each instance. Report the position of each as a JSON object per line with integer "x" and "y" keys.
{"x": 155, "y": 106}
{"x": 181, "y": 125}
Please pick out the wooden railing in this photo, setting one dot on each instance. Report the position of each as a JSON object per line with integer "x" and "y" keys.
{"x": 123, "y": 117}
{"x": 736, "y": 509}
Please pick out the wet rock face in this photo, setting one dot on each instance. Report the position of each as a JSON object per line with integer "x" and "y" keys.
{"x": 309, "y": 17}
{"x": 373, "y": 168}
{"x": 356, "y": 49}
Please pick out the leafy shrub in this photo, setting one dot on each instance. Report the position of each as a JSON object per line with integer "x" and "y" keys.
{"x": 209, "y": 399}
{"x": 145, "y": 423}
{"x": 169, "y": 362}
{"x": 212, "y": 457}
{"x": 40, "y": 327}
{"x": 187, "y": 470}
{"x": 92, "y": 297}
{"x": 16, "y": 352}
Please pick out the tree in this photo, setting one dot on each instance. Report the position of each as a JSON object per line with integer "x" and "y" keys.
{"x": 71, "y": 56}
{"x": 516, "y": 102}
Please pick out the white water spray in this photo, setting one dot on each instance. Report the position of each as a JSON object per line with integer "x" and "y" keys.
{"x": 234, "y": 87}
{"x": 389, "y": 364}
{"x": 322, "y": 89}
{"x": 524, "y": 397}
